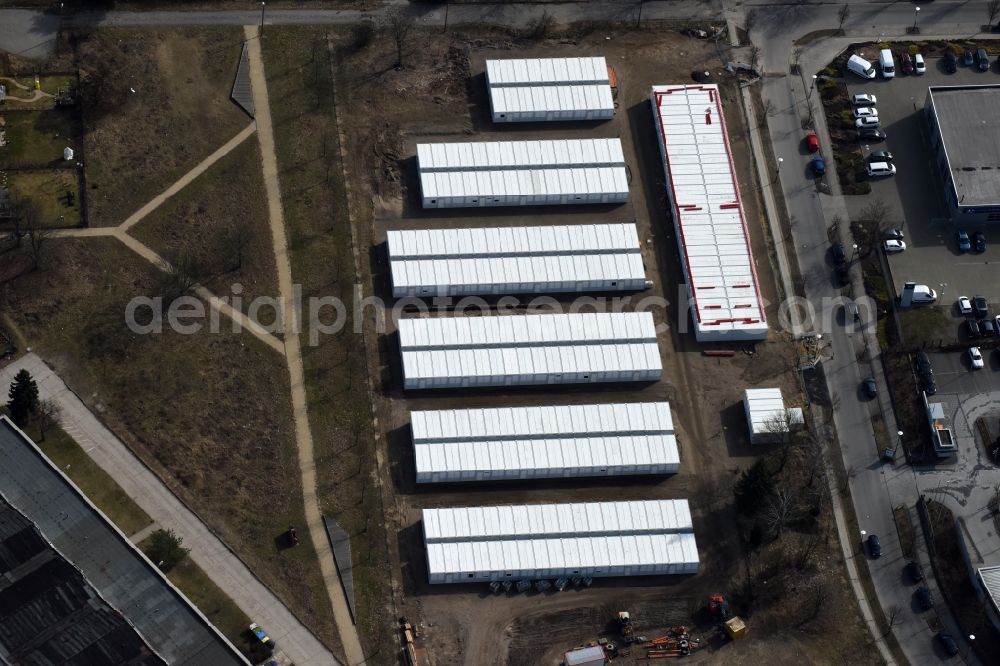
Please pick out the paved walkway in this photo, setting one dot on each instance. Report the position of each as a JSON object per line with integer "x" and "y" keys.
{"x": 293, "y": 356}
{"x": 207, "y": 550}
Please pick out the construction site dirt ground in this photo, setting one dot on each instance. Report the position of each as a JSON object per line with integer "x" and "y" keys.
{"x": 440, "y": 96}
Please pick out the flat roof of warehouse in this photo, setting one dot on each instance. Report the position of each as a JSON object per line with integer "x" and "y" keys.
{"x": 547, "y": 71}
{"x": 714, "y": 237}
{"x": 520, "y": 155}
{"x": 83, "y": 536}
{"x": 970, "y": 131}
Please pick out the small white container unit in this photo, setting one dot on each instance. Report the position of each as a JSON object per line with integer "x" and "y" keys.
{"x": 506, "y": 350}
{"x": 515, "y": 260}
{"x": 562, "y": 441}
{"x": 549, "y": 89}
{"x": 598, "y": 539}
{"x": 522, "y": 173}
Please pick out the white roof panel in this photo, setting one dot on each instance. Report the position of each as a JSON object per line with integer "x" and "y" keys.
{"x": 547, "y": 99}
{"x": 712, "y": 232}
{"x": 546, "y": 71}
{"x": 762, "y": 407}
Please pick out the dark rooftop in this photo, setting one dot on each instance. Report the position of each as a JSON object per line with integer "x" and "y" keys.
{"x": 970, "y": 129}
{"x": 79, "y": 538}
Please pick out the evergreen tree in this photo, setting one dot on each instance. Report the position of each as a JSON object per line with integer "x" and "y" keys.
{"x": 23, "y": 396}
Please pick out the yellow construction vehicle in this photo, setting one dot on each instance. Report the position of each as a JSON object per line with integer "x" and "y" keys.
{"x": 625, "y": 624}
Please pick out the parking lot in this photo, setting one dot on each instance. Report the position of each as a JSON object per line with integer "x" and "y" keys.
{"x": 915, "y": 194}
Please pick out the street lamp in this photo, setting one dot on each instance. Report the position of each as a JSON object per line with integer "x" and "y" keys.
{"x": 916, "y": 14}
{"x": 262, "y": 15}
{"x": 972, "y": 638}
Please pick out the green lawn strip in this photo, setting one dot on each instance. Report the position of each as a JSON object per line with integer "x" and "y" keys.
{"x": 97, "y": 484}
{"x": 52, "y": 190}
{"x": 203, "y": 218}
{"x": 927, "y": 326}
{"x": 300, "y": 86}
{"x": 902, "y": 517}
{"x": 37, "y": 138}
{"x": 210, "y": 413}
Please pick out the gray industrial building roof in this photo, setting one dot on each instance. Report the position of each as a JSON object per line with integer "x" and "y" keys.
{"x": 105, "y": 558}
{"x": 970, "y": 132}
{"x": 49, "y": 614}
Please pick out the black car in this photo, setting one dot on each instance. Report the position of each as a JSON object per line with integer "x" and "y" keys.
{"x": 880, "y": 156}
{"x": 967, "y": 58}
{"x": 950, "y": 62}
{"x": 988, "y": 328}
{"x": 972, "y": 329}
{"x": 891, "y": 234}
{"x": 924, "y": 362}
{"x": 930, "y": 386}
{"x": 871, "y": 388}
{"x": 914, "y": 571}
{"x": 948, "y": 644}
{"x": 871, "y": 134}
{"x": 838, "y": 254}
{"x": 982, "y": 60}
{"x": 874, "y": 546}
{"x": 979, "y": 241}
{"x": 979, "y": 306}
{"x": 924, "y": 598}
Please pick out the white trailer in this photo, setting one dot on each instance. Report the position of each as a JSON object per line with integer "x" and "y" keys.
{"x": 549, "y": 89}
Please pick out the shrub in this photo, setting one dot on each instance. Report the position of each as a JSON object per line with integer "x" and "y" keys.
{"x": 847, "y": 117}
{"x": 164, "y": 549}
{"x": 914, "y": 49}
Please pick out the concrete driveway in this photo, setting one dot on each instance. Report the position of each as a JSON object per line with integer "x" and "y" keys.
{"x": 915, "y": 194}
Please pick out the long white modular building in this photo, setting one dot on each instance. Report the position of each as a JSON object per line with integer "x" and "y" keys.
{"x": 599, "y": 539}
{"x": 522, "y": 173}
{"x": 515, "y": 260}
{"x": 708, "y": 214}
{"x": 543, "y": 89}
{"x": 544, "y": 442}
{"x": 452, "y": 352}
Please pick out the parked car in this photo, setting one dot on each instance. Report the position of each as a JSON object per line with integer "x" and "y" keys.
{"x": 880, "y": 169}
{"x": 975, "y": 358}
{"x": 982, "y": 60}
{"x": 948, "y": 643}
{"x": 861, "y": 67}
{"x": 894, "y": 233}
{"x": 979, "y": 241}
{"x": 818, "y": 165}
{"x": 980, "y": 306}
{"x": 838, "y": 254}
{"x": 924, "y": 363}
{"x": 914, "y": 571}
{"x": 871, "y": 388}
{"x": 892, "y": 246}
{"x": 972, "y": 329}
{"x": 871, "y": 134}
{"x": 880, "y": 156}
{"x": 906, "y": 63}
{"x": 964, "y": 305}
{"x": 924, "y": 598}
{"x": 950, "y": 62}
{"x": 874, "y": 546}
{"x": 867, "y": 121}
{"x": 923, "y": 295}
{"x": 865, "y": 112}
{"x": 864, "y": 99}
{"x": 967, "y": 58}
{"x": 918, "y": 64}
{"x": 930, "y": 386}
{"x": 812, "y": 142}
{"x": 963, "y": 241}
{"x": 996, "y": 323}
{"x": 988, "y": 327}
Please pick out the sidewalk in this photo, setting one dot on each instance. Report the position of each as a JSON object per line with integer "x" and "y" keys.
{"x": 153, "y": 497}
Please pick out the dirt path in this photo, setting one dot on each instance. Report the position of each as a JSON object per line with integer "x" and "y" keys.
{"x": 293, "y": 356}
{"x": 35, "y": 95}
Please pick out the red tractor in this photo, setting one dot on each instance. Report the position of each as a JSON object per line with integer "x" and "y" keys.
{"x": 718, "y": 607}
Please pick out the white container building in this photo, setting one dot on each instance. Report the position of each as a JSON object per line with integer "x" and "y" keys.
{"x": 452, "y": 352}
{"x": 522, "y": 173}
{"x": 708, "y": 214}
{"x": 515, "y": 260}
{"x": 767, "y": 417}
{"x": 502, "y": 443}
{"x": 545, "y": 89}
{"x": 599, "y": 539}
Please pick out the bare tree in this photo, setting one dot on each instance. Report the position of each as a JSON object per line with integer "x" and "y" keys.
{"x": 845, "y": 12}
{"x": 893, "y": 615}
{"x": 992, "y": 9}
{"x": 754, "y": 56}
{"x": 542, "y": 26}
{"x": 49, "y": 415}
{"x": 236, "y": 239}
{"x": 399, "y": 25}
{"x": 871, "y": 225}
{"x": 37, "y": 235}
{"x": 184, "y": 272}
{"x": 779, "y": 511}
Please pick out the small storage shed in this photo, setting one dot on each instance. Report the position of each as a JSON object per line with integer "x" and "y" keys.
{"x": 585, "y": 656}
{"x": 767, "y": 417}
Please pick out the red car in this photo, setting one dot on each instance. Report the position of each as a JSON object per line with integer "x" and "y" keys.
{"x": 812, "y": 142}
{"x": 907, "y": 63}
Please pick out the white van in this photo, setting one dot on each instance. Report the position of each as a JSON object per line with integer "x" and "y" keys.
{"x": 886, "y": 62}
{"x": 876, "y": 169}
{"x": 923, "y": 294}
{"x": 861, "y": 67}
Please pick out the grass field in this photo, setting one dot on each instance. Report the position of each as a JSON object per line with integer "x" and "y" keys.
{"x": 202, "y": 220}
{"x": 210, "y": 413}
{"x": 179, "y": 113}
{"x": 37, "y": 138}
{"x": 49, "y": 189}
{"x": 102, "y": 490}
{"x": 300, "y": 88}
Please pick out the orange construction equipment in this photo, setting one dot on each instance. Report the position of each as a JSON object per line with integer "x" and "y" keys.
{"x": 718, "y": 607}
